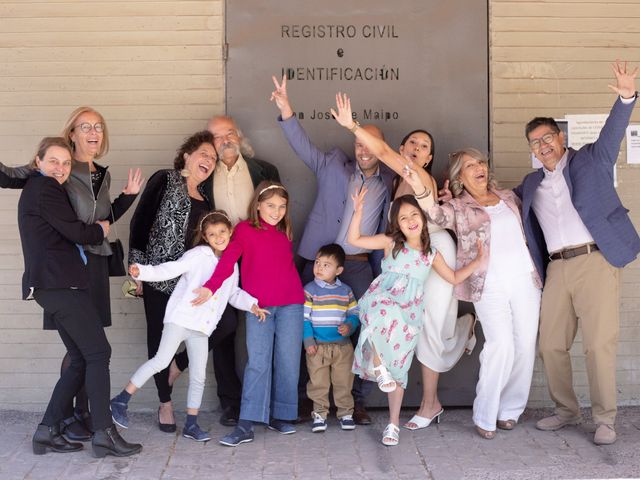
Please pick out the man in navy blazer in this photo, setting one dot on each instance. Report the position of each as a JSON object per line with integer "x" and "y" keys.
{"x": 580, "y": 236}
{"x": 338, "y": 178}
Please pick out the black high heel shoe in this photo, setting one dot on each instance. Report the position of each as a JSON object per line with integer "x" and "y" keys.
{"x": 109, "y": 442}
{"x": 165, "y": 427}
{"x": 49, "y": 438}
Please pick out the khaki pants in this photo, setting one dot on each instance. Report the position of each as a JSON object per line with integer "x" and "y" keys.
{"x": 585, "y": 288}
{"x": 331, "y": 366}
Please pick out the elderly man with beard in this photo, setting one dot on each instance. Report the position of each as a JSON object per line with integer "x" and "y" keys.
{"x": 338, "y": 179}
{"x": 233, "y": 181}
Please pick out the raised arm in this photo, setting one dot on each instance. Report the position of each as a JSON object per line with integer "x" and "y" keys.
{"x": 13, "y": 177}
{"x": 374, "y": 242}
{"x": 281, "y": 99}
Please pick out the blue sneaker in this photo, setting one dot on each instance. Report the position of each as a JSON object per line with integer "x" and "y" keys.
{"x": 237, "y": 437}
{"x": 281, "y": 426}
{"x": 319, "y": 423}
{"x": 194, "y": 432}
{"x": 347, "y": 423}
{"x": 119, "y": 413}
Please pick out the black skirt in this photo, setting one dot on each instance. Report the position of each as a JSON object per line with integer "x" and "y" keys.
{"x": 99, "y": 290}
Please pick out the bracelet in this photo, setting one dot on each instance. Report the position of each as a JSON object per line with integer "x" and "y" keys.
{"x": 356, "y": 125}
{"x": 424, "y": 194}
{"x": 634, "y": 96}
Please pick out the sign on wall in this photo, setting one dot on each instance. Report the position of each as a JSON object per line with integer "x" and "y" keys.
{"x": 414, "y": 64}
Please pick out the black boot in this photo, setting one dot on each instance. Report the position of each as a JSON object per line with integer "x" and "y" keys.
{"x": 109, "y": 442}
{"x": 74, "y": 430}
{"x": 50, "y": 438}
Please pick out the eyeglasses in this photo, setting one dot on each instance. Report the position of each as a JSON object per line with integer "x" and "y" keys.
{"x": 86, "y": 127}
{"x": 547, "y": 138}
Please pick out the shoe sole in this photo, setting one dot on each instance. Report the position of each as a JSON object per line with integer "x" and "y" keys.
{"x": 229, "y": 444}
{"x": 101, "y": 452}
{"x": 280, "y": 432}
{"x": 348, "y": 427}
{"x": 39, "y": 449}
{"x": 118, "y": 423}
{"x": 185, "y": 435}
{"x": 319, "y": 429}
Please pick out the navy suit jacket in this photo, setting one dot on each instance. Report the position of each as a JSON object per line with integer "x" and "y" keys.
{"x": 589, "y": 176}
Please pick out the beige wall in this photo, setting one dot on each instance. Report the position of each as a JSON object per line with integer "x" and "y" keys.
{"x": 551, "y": 58}
{"x": 155, "y": 70}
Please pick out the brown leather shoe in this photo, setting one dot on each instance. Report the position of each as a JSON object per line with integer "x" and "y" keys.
{"x": 605, "y": 435}
{"x": 556, "y": 422}
{"x": 360, "y": 415}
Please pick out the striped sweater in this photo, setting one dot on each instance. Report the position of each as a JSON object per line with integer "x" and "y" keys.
{"x": 326, "y": 307}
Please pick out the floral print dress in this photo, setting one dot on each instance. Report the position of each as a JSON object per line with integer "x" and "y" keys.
{"x": 391, "y": 312}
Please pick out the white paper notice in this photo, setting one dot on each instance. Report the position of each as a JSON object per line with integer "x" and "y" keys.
{"x": 633, "y": 144}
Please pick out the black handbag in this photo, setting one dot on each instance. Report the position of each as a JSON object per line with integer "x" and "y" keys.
{"x": 116, "y": 259}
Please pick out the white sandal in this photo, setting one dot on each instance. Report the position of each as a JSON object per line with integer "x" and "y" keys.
{"x": 391, "y": 435}
{"x": 386, "y": 383}
{"x": 423, "y": 422}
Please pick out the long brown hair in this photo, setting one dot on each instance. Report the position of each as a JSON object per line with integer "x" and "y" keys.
{"x": 264, "y": 191}
{"x": 210, "y": 218}
{"x": 393, "y": 227}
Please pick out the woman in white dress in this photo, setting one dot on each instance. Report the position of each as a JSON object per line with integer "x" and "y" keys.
{"x": 444, "y": 337}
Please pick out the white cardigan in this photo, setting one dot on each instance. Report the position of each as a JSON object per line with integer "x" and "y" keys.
{"x": 196, "y": 267}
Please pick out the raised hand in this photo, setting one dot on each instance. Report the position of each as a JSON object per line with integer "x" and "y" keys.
{"x": 134, "y": 182}
{"x": 358, "y": 200}
{"x": 412, "y": 178}
{"x": 626, "y": 81}
{"x": 444, "y": 194}
{"x": 343, "y": 115}
{"x": 280, "y": 97}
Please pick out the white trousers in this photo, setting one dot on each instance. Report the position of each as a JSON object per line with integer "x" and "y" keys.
{"x": 508, "y": 310}
{"x": 198, "y": 350}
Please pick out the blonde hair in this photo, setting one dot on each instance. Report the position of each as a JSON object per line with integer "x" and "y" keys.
{"x": 456, "y": 160}
{"x": 71, "y": 124}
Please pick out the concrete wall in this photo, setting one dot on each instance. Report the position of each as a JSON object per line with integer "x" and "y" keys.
{"x": 155, "y": 70}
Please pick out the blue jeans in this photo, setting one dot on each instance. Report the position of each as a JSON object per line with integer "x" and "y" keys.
{"x": 270, "y": 386}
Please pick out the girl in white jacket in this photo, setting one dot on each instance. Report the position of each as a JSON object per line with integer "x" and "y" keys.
{"x": 186, "y": 323}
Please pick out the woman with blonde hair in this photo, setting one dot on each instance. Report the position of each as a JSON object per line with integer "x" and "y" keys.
{"x": 88, "y": 190}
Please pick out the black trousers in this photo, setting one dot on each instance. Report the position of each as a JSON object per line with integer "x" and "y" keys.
{"x": 222, "y": 343}
{"x": 78, "y": 323}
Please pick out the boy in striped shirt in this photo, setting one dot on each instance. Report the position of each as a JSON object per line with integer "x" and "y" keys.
{"x": 330, "y": 317}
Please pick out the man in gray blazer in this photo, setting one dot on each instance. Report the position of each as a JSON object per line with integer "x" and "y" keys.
{"x": 338, "y": 178}
{"x": 580, "y": 236}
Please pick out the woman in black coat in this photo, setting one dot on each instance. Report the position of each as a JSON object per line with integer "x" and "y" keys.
{"x": 56, "y": 276}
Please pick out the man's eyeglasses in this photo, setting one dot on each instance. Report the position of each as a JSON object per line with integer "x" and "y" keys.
{"x": 86, "y": 127}
{"x": 547, "y": 138}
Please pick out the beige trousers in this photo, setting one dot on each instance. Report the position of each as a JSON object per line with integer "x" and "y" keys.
{"x": 331, "y": 366}
{"x": 584, "y": 288}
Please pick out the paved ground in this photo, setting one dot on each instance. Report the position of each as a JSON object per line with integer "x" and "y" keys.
{"x": 450, "y": 450}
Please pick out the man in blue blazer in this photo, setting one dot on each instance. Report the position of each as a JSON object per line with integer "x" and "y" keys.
{"x": 580, "y": 236}
{"x": 338, "y": 178}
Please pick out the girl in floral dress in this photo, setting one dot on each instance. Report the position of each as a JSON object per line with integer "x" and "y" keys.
{"x": 391, "y": 310}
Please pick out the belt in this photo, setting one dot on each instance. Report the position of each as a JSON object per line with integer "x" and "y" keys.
{"x": 358, "y": 257}
{"x": 568, "y": 253}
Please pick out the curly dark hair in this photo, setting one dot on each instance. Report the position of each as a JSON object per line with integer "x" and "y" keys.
{"x": 190, "y": 145}
{"x": 393, "y": 227}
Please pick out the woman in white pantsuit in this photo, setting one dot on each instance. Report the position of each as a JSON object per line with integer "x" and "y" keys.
{"x": 505, "y": 291}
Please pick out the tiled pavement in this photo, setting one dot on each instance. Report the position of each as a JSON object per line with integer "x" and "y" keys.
{"x": 450, "y": 450}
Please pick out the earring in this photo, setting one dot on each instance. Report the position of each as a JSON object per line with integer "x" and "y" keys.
{"x": 184, "y": 173}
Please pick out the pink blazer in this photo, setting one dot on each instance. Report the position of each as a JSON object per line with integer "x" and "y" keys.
{"x": 468, "y": 219}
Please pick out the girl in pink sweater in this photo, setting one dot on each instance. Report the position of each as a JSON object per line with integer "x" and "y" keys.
{"x": 270, "y": 386}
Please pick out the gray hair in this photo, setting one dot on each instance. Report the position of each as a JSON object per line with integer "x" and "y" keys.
{"x": 245, "y": 146}
{"x": 455, "y": 165}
